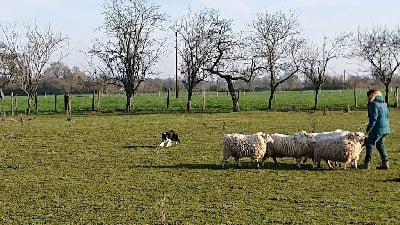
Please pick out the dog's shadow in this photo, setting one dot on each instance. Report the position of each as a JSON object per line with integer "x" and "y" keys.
{"x": 137, "y": 147}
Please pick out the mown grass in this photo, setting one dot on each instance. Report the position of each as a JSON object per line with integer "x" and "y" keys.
{"x": 108, "y": 169}
{"x": 215, "y": 102}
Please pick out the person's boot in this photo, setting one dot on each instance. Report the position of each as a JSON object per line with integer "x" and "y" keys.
{"x": 365, "y": 166}
{"x": 384, "y": 166}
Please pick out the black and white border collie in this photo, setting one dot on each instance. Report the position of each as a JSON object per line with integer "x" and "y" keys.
{"x": 168, "y": 137}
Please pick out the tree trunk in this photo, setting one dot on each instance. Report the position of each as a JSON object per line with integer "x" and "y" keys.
{"x": 234, "y": 96}
{"x": 271, "y": 97}
{"x": 387, "y": 94}
{"x": 316, "y": 98}
{"x": 128, "y": 101}
{"x": 189, "y": 101}
{"x": 29, "y": 107}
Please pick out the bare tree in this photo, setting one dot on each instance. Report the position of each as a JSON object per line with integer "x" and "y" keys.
{"x": 232, "y": 61}
{"x": 380, "y": 47}
{"x": 131, "y": 47}
{"x": 9, "y": 61}
{"x": 7, "y": 65}
{"x": 31, "y": 55}
{"x": 314, "y": 62}
{"x": 277, "y": 42}
{"x": 198, "y": 33}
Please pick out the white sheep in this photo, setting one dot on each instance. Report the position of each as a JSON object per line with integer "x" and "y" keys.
{"x": 296, "y": 145}
{"x": 318, "y": 136}
{"x": 241, "y": 145}
{"x": 344, "y": 147}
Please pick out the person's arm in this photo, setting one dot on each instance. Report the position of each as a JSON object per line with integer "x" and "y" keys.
{"x": 372, "y": 117}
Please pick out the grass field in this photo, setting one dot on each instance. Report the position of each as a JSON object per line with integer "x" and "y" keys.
{"x": 107, "y": 169}
{"x": 215, "y": 102}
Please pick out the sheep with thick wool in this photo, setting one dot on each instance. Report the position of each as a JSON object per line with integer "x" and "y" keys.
{"x": 322, "y": 135}
{"x": 242, "y": 145}
{"x": 296, "y": 145}
{"x": 343, "y": 147}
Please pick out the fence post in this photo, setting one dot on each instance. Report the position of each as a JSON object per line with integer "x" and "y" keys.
{"x": 396, "y": 97}
{"x": 204, "y": 100}
{"x": 93, "y": 95}
{"x": 36, "y": 103}
{"x": 12, "y": 104}
{"x": 67, "y": 105}
{"x": 168, "y": 99}
{"x": 355, "y": 97}
{"x": 98, "y": 100}
{"x": 55, "y": 103}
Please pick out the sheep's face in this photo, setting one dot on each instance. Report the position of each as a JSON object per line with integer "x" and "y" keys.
{"x": 267, "y": 138}
{"x": 305, "y": 138}
{"x": 358, "y": 136}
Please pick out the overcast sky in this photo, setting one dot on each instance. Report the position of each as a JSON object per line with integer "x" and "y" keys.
{"x": 78, "y": 19}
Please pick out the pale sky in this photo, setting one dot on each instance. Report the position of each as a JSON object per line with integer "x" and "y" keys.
{"x": 78, "y": 19}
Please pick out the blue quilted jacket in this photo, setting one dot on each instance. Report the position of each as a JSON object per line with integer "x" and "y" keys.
{"x": 378, "y": 115}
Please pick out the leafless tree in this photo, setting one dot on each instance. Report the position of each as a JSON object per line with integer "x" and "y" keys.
{"x": 131, "y": 46}
{"x": 380, "y": 47}
{"x": 198, "y": 33}
{"x": 232, "y": 61}
{"x": 314, "y": 62}
{"x": 277, "y": 42}
{"x": 31, "y": 55}
{"x": 9, "y": 61}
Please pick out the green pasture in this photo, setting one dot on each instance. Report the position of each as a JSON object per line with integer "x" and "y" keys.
{"x": 108, "y": 169}
{"x": 214, "y": 101}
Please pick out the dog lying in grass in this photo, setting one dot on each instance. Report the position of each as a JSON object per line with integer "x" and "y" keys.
{"x": 168, "y": 137}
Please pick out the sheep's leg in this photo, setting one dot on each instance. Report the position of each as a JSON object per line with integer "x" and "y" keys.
{"x": 329, "y": 164}
{"x": 263, "y": 160}
{"x": 276, "y": 162}
{"x": 316, "y": 163}
{"x": 238, "y": 162}
{"x": 225, "y": 156}
{"x": 298, "y": 163}
{"x": 258, "y": 164}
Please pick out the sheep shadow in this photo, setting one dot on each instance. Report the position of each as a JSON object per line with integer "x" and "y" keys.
{"x": 393, "y": 180}
{"x": 229, "y": 166}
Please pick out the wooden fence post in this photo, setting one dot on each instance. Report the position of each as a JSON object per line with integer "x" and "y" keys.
{"x": 67, "y": 105}
{"x": 55, "y": 103}
{"x": 355, "y": 97}
{"x": 93, "y": 95}
{"x": 98, "y": 100}
{"x": 396, "y": 97}
{"x": 204, "y": 100}
{"x": 12, "y": 104}
{"x": 36, "y": 103}
{"x": 168, "y": 98}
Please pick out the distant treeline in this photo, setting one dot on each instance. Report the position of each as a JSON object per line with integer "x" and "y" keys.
{"x": 61, "y": 79}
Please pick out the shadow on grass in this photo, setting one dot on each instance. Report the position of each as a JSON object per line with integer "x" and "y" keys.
{"x": 135, "y": 147}
{"x": 231, "y": 166}
{"x": 393, "y": 180}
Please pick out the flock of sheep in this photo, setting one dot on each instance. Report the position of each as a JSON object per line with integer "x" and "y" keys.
{"x": 337, "y": 146}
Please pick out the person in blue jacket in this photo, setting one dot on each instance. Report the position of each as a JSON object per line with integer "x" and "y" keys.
{"x": 378, "y": 127}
